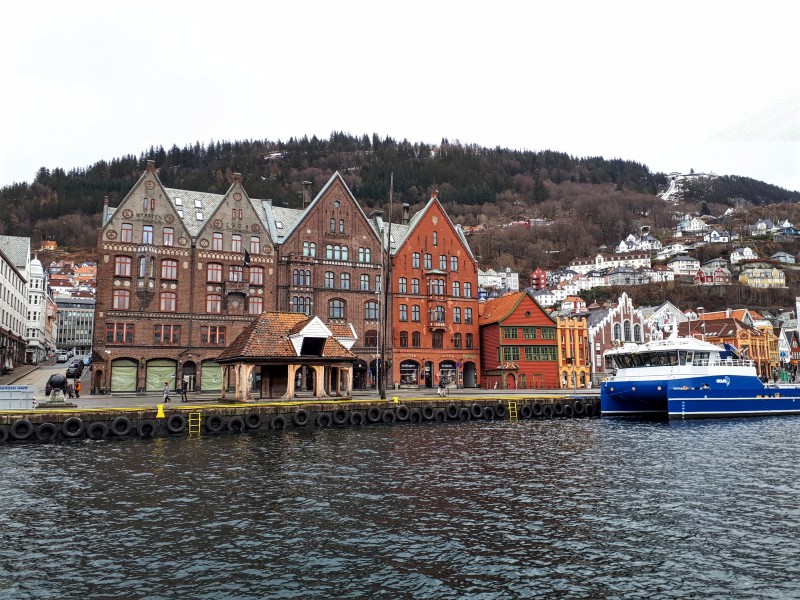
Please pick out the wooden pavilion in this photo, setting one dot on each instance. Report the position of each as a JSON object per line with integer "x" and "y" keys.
{"x": 266, "y": 358}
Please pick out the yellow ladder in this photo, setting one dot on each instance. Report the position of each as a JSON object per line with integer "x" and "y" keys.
{"x": 512, "y": 410}
{"x": 194, "y": 423}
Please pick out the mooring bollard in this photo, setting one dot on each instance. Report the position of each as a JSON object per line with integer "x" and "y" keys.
{"x": 160, "y": 414}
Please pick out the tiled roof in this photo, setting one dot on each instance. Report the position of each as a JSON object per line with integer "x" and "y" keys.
{"x": 498, "y": 309}
{"x": 17, "y": 249}
{"x": 268, "y": 337}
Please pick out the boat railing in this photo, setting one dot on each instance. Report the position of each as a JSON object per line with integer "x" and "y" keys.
{"x": 726, "y": 362}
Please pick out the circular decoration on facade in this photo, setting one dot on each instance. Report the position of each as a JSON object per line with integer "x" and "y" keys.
{"x": 173, "y": 286}
{"x": 204, "y": 243}
{"x": 267, "y": 250}
{"x": 117, "y": 282}
{"x": 217, "y": 223}
{"x": 237, "y": 196}
{"x": 141, "y": 284}
{"x": 210, "y": 288}
{"x": 111, "y": 234}
{"x": 127, "y": 213}
{"x": 126, "y": 283}
{"x": 235, "y": 303}
{"x": 169, "y": 218}
{"x": 256, "y": 228}
{"x": 150, "y": 185}
{"x": 182, "y": 241}
{"x": 336, "y": 203}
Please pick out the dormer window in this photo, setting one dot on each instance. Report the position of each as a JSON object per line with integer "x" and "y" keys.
{"x": 199, "y": 215}
{"x": 198, "y": 204}
{"x": 178, "y": 201}
{"x": 279, "y": 224}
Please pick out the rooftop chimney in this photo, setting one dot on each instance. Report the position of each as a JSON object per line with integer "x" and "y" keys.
{"x": 435, "y": 194}
{"x": 237, "y": 178}
{"x": 306, "y": 193}
{"x": 406, "y": 213}
{"x": 151, "y": 166}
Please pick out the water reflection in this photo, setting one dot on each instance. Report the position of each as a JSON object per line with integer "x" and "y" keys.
{"x": 582, "y": 508}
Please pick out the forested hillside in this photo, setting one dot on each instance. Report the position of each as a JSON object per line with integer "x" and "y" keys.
{"x": 586, "y": 202}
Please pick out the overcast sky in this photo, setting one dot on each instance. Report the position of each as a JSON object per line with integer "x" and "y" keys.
{"x": 709, "y": 86}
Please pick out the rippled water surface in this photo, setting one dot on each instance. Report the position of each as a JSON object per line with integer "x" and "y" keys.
{"x": 583, "y": 508}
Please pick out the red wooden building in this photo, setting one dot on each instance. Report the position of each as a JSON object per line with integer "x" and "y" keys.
{"x": 519, "y": 344}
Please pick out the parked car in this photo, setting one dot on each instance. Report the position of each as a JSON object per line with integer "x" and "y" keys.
{"x": 78, "y": 366}
{"x": 56, "y": 382}
{"x": 72, "y": 372}
{"x": 87, "y": 360}
{"x": 62, "y": 358}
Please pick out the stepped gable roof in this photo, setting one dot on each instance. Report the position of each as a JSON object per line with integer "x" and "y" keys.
{"x": 268, "y": 336}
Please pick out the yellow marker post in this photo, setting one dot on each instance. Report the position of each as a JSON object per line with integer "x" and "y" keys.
{"x": 160, "y": 414}
{"x": 395, "y": 399}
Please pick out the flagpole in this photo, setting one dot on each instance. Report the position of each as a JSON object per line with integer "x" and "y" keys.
{"x": 387, "y": 283}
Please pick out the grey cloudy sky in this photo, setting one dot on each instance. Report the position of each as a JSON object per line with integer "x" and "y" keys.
{"x": 709, "y": 86}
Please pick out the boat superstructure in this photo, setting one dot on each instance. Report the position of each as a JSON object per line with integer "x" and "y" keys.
{"x": 686, "y": 377}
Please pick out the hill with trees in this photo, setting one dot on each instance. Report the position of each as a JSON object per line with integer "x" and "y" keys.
{"x": 586, "y": 203}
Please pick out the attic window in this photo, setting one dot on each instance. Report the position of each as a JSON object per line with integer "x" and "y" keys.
{"x": 180, "y": 213}
{"x": 279, "y": 224}
{"x": 199, "y": 215}
{"x": 178, "y": 201}
{"x": 198, "y": 204}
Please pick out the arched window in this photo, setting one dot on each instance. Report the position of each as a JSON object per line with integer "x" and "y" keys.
{"x": 415, "y": 339}
{"x": 345, "y": 253}
{"x": 216, "y": 241}
{"x": 371, "y": 338}
{"x": 372, "y": 311}
{"x": 235, "y": 273}
{"x": 627, "y": 328}
{"x": 214, "y": 272}
{"x": 329, "y": 279}
{"x": 344, "y": 281}
{"x": 467, "y": 289}
{"x": 169, "y": 236}
{"x": 457, "y": 340}
{"x": 169, "y": 269}
{"x": 404, "y": 339}
{"x": 122, "y": 299}
{"x": 336, "y": 309}
{"x": 257, "y": 275}
{"x": 255, "y": 305}
{"x": 122, "y": 266}
{"x": 333, "y": 225}
{"x": 468, "y": 340}
{"x": 169, "y": 301}
{"x": 456, "y": 288}
{"x": 456, "y": 314}
{"x": 341, "y": 225}
{"x": 637, "y": 333}
{"x": 404, "y": 312}
{"x": 214, "y": 304}
{"x": 617, "y": 331}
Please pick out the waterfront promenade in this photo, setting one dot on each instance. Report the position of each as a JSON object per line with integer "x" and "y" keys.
{"x": 151, "y": 399}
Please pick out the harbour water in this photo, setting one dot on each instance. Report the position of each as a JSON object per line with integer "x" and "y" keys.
{"x": 579, "y": 508}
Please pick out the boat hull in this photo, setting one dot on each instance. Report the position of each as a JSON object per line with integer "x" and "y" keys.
{"x": 697, "y": 397}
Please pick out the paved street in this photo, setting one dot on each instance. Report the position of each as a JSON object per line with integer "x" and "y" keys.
{"x": 37, "y": 377}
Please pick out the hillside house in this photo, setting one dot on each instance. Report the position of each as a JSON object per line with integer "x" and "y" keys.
{"x": 741, "y": 254}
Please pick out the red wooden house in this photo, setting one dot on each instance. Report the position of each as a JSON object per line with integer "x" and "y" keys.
{"x": 519, "y": 344}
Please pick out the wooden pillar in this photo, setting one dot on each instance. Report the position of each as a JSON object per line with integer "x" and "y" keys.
{"x": 319, "y": 381}
{"x": 224, "y": 376}
{"x": 291, "y": 373}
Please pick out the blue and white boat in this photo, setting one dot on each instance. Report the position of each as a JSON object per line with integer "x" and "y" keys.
{"x": 689, "y": 378}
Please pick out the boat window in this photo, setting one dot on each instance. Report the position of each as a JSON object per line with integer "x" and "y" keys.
{"x": 689, "y": 357}
{"x": 673, "y": 358}
{"x": 637, "y": 360}
{"x": 701, "y": 358}
{"x": 627, "y": 362}
{"x": 682, "y": 356}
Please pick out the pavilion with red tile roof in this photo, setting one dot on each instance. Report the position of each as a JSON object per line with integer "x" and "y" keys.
{"x": 277, "y": 345}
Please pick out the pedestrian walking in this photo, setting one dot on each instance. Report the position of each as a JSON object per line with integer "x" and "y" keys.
{"x": 77, "y": 388}
{"x": 166, "y": 391}
{"x": 184, "y": 385}
{"x": 71, "y": 390}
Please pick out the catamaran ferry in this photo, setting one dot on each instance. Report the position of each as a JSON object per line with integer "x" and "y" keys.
{"x": 688, "y": 378}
